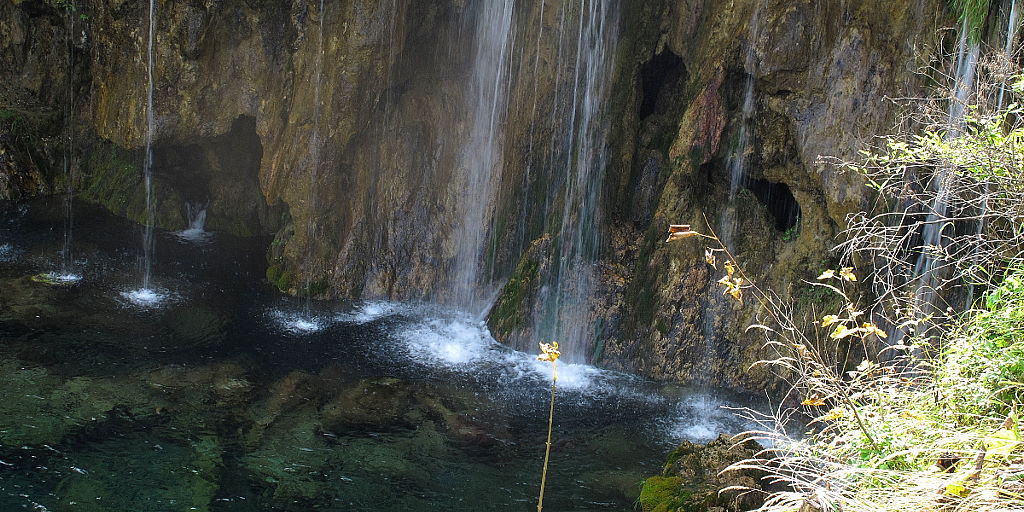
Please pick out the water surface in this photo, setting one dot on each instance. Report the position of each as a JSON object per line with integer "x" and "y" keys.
{"x": 226, "y": 396}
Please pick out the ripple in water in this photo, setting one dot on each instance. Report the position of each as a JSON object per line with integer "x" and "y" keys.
{"x": 196, "y": 236}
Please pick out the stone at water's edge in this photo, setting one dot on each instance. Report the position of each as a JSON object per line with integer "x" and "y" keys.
{"x": 691, "y": 480}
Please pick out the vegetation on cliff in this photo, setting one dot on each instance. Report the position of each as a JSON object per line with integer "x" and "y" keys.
{"x": 925, "y": 415}
{"x": 909, "y": 390}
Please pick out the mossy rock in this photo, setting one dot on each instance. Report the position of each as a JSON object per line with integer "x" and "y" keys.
{"x": 661, "y": 493}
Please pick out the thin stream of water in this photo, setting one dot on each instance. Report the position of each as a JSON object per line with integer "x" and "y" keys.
{"x": 148, "y": 240}
{"x": 314, "y": 171}
{"x": 565, "y": 303}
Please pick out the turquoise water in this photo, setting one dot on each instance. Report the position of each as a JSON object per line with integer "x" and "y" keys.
{"x": 224, "y": 397}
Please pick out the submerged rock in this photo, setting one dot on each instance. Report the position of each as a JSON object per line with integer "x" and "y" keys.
{"x": 40, "y": 408}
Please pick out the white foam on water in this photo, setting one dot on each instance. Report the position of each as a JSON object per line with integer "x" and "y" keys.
{"x": 370, "y": 311}
{"x": 64, "y": 277}
{"x": 196, "y": 236}
{"x": 295, "y": 323}
{"x": 458, "y": 342}
{"x": 449, "y": 342}
{"x": 701, "y": 417}
{"x": 148, "y": 298}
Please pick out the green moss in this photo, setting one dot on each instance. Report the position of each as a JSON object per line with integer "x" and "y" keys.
{"x": 661, "y": 493}
{"x": 280, "y": 276}
{"x": 505, "y": 317}
{"x": 113, "y": 179}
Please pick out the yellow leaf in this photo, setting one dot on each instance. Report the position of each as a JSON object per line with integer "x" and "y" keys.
{"x": 840, "y": 332}
{"x": 828, "y": 274}
{"x": 834, "y": 414}
{"x": 813, "y": 401}
{"x": 847, "y": 274}
{"x": 736, "y": 293}
{"x": 730, "y": 268}
{"x": 549, "y": 352}
{"x": 679, "y": 231}
{"x": 958, "y": 488}
{"x": 829, "y": 320}
{"x": 910, "y": 415}
{"x": 871, "y": 328}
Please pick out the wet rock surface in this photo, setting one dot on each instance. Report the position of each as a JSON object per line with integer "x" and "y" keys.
{"x": 692, "y": 479}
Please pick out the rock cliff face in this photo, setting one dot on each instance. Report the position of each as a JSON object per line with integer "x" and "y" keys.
{"x": 358, "y": 147}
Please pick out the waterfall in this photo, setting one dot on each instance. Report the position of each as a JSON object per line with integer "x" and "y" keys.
{"x": 481, "y": 158}
{"x": 67, "y": 260}
{"x": 314, "y": 169}
{"x": 1011, "y": 36}
{"x": 565, "y": 300}
{"x": 148, "y": 239}
{"x": 737, "y": 161}
{"x": 925, "y": 268}
{"x": 196, "y": 231}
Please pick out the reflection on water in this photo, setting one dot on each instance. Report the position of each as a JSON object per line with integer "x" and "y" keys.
{"x": 221, "y": 399}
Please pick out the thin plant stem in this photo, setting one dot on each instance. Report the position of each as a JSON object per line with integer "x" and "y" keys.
{"x": 547, "y": 449}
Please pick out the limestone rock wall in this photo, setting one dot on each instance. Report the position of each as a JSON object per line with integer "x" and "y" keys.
{"x": 373, "y": 211}
{"x": 822, "y": 73}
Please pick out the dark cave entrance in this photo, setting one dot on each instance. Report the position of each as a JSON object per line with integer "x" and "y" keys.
{"x": 659, "y": 76}
{"x": 779, "y": 200}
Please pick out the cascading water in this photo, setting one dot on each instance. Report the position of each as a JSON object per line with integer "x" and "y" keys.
{"x": 196, "y": 231}
{"x": 482, "y": 156}
{"x": 926, "y": 267}
{"x": 565, "y": 300}
{"x": 307, "y": 322}
{"x": 1012, "y": 21}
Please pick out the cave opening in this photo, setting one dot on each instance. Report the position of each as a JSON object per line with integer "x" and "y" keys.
{"x": 657, "y": 77}
{"x": 779, "y": 200}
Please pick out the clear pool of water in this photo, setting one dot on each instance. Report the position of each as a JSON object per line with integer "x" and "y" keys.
{"x": 211, "y": 391}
